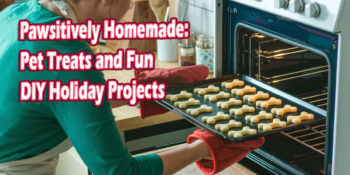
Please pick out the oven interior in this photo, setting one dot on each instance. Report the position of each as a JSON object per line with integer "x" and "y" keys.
{"x": 293, "y": 69}
{"x": 300, "y": 72}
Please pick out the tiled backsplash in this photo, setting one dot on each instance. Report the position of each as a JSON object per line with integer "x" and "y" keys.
{"x": 200, "y": 13}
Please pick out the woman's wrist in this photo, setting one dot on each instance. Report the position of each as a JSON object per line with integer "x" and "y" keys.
{"x": 200, "y": 149}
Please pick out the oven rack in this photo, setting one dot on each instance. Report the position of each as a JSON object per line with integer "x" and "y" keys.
{"x": 317, "y": 98}
{"x": 275, "y": 53}
{"x": 296, "y": 74}
{"x": 280, "y": 53}
{"x": 312, "y": 135}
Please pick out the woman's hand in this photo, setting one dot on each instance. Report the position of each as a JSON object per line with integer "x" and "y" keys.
{"x": 223, "y": 153}
{"x": 211, "y": 153}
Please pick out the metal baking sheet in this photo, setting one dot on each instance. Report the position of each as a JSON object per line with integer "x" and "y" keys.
{"x": 260, "y": 86}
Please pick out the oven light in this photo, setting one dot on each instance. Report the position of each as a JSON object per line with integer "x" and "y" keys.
{"x": 256, "y": 35}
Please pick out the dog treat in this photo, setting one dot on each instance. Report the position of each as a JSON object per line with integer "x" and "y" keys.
{"x": 234, "y": 83}
{"x": 182, "y": 94}
{"x": 245, "y": 131}
{"x": 299, "y": 118}
{"x": 242, "y": 110}
{"x": 230, "y": 102}
{"x": 268, "y": 103}
{"x": 285, "y": 109}
{"x": 201, "y": 109}
{"x": 242, "y": 91}
{"x": 227, "y": 126}
{"x": 215, "y": 97}
{"x": 217, "y": 117}
{"x": 257, "y": 96}
{"x": 203, "y": 91}
{"x": 256, "y": 118}
{"x": 184, "y": 104}
{"x": 276, "y": 123}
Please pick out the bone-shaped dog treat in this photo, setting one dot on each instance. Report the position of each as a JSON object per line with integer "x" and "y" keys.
{"x": 285, "y": 109}
{"x": 184, "y": 104}
{"x": 276, "y": 123}
{"x": 182, "y": 94}
{"x": 227, "y": 126}
{"x": 201, "y": 109}
{"x": 234, "y": 83}
{"x": 256, "y": 118}
{"x": 257, "y": 96}
{"x": 242, "y": 91}
{"x": 268, "y": 103}
{"x": 245, "y": 131}
{"x": 215, "y": 97}
{"x": 203, "y": 91}
{"x": 242, "y": 110}
{"x": 299, "y": 118}
{"x": 217, "y": 117}
{"x": 227, "y": 104}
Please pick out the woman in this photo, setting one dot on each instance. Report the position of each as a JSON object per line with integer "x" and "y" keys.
{"x": 32, "y": 134}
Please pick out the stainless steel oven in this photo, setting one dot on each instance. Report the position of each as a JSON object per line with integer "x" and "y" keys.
{"x": 299, "y": 47}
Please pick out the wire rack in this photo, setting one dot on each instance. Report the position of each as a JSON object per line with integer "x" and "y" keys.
{"x": 312, "y": 136}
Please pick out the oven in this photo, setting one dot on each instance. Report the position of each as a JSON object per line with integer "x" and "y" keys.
{"x": 299, "y": 47}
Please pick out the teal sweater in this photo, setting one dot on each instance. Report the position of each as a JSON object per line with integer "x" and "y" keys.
{"x": 30, "y": 128}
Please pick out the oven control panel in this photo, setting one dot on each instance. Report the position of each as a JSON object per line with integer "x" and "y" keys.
{"x": 322, "y": 14}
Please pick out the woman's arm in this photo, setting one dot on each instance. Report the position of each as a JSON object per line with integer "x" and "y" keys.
{"x": 176, "y": 159}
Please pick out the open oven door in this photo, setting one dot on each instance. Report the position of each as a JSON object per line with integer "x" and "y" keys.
{"x": 293, "y": 57}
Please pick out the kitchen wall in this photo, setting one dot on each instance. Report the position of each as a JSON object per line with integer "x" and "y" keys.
{"x": 200, "y": 13}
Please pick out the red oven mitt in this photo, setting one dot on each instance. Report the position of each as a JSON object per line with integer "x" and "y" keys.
{"x": 223, "y": 153}
{"x": 170, "y": 77}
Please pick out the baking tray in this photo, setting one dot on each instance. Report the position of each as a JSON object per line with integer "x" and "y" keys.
{"x": 260, "y": 86}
